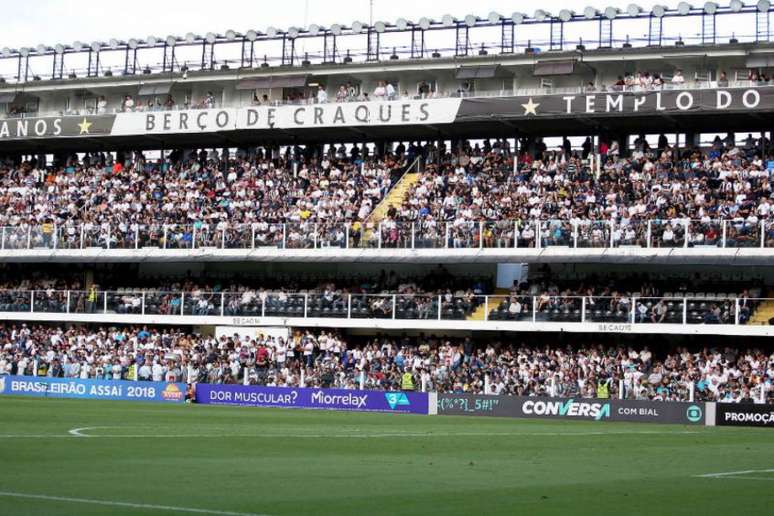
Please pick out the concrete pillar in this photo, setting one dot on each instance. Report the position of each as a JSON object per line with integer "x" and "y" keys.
{"x": 692, "y": 140}
{"x": 88, "y": 279}
{"x": 623, "y": 143}
{"x": 380, "y": 148}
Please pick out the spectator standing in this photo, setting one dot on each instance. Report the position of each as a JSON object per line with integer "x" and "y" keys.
{"x": 677, "y": 79}
{"x": 390, "y": 91}
{"x": 322, "y": 95}
{"x": 380, "y": 91}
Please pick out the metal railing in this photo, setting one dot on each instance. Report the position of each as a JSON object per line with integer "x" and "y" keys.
{"x": 678, "y": 308}
{"x": 389, "y": 234}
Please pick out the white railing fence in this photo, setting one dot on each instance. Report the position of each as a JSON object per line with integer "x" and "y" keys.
{"x": 671, "y": 308}
{"x": 390, "y": 234}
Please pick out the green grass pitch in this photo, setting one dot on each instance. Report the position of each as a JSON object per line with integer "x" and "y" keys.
{"x": 159, "y": 459}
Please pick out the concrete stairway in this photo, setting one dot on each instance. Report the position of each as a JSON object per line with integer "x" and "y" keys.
{"x": 479, "y": 313}
{"x": 394, "y": 197}
{"x": 763, "y": 314}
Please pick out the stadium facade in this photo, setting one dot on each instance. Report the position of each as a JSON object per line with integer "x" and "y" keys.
{"x": 129, "y": 97}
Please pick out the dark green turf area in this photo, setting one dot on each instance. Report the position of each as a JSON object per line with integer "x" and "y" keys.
{"x": 277, "y": 462}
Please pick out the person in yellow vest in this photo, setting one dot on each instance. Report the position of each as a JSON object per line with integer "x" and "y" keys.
{"x": 131, "y": 373}
{"x": 407, "y": 381}
{"x": 354, "y": 233}
{"x": 603, "y": 389}
{"x": 47, "y": 230}
{"x": 91, "y": 299}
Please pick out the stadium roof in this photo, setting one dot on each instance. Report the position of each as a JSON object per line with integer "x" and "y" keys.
{"x": 333, "y": 50}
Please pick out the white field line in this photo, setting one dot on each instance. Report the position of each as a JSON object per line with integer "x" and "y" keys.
{"x": 737, "y": 474}
{"x": 76, "y": 432}
{"x": 748, "y": 478}
{"x": 79, "y": 433}
{"x": 35, "y": 436}
{"x": 90, "y": 501}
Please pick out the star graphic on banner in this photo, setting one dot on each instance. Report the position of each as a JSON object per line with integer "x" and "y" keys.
{"x": 530, "y": 107}
{"x": 85, "y": 125}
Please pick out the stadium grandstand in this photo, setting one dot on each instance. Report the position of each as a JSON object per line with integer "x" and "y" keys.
{"x": 558, "y": 214}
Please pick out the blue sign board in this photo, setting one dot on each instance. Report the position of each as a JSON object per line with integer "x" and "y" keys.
{"x": 45, "y": 387}
{"x": 298, "y": 397}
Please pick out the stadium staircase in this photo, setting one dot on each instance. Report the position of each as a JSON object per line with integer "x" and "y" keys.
{"x": 763, "y": 314}
{"x": 479, "y": 313}
{"x": 398, "y": 192}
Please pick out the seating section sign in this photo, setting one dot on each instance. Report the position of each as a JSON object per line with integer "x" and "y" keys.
{"x": 43, "y": 387}
{"x": 298, "y": 397}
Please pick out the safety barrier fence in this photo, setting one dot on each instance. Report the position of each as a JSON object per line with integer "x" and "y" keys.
{"x": 681, "y": 308}
{"x": 388, "y": 234}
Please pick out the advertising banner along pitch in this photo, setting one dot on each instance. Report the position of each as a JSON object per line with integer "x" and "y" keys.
{"x": 673, "y": 412}
{"x": 44, "y": 387}
{"x": 526, "y": 407}
{"x": 332, "y": 399}
{"x": 744, "y": 414}
{"x": 572, "y": 408}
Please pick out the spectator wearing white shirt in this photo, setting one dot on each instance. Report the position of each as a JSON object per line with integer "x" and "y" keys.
{"x": 389, "y": 91}
{"x": 322, "y": 95}
{"x": 677, "y": 79}
{"x": 157, "y": 371}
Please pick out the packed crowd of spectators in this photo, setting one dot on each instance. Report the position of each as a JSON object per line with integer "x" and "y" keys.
{"x": 327, "y": 359}
{"x": 675, "y": 190}
{"x": 468, "y": 196}
{"x": 208, "y": 191}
